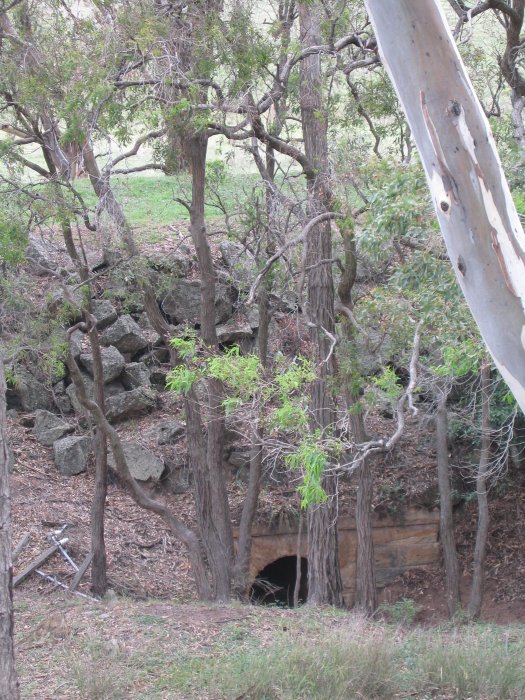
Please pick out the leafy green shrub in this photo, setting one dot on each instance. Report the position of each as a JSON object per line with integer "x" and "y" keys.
{"x": 402, "y": 612}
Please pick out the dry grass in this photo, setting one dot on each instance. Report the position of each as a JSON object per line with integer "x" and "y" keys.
{"x": 75, "y": 650}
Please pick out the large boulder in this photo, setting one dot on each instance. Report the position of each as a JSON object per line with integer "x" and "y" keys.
{"x": 182, "y": 304}
{"x": 49, "y": 428}
{"x": 135, "y": 374}
{"x": 167, "y": 432}
{"x": 175, "y": 264}
{"x": 143, "y": 464}
{"x": 61, "y": 398}
{"x": 110, "y": 390}
{"x": 77, "y": 343}
{"x": 234, "y": 331}
{"x": 72, "y": 454}
{"x": 31, "y": 393}
{"x": 130, "y": 404}
{"x": 112, "y": 363}
{"x": 240, "y": 262}
{"x": 178, "y": 477}
{"x": 125, "y": 334}
{"x": 39, "y": 256}
{"x": 67, "y": 301}
{"x": 104, "y": 312}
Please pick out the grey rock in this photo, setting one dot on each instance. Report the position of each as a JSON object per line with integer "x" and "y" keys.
{"x": 175, "y": 264}
{"x": 66, "y": 301}
{"x": 234, "y": 331}
{"x": 31, "y": 393}
{"x": 49, "y": 428}
{"x": 135, "y": 374}
{"x": 239, "y": 458}
{"x": 156, "y": 356}
{"x": 62, "y": 400}
{"x": 72, "y": 454}
{"x": 130, "y": 404}
{"x": 167, "y": 432}
{"x": 253, "y": 317}
{"x": 39, "y": 256}
{"x": 76, "y": 343}
{"x": 178, "y": 479}
{"x": 142, "y": 463}
{"x": 125, "y": 335}
{"x": 111, "y": 390}
{"x": 239, "y": 261}
{"x": 286, "y": 302}
{"x": 112, "y": 363}
{"x": 104, "y": 312}
{"x": 182, "y": 304}
{"x": 158, "y": 376}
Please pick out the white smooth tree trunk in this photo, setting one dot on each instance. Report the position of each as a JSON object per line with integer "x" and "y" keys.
{"x": 478, "y": 220}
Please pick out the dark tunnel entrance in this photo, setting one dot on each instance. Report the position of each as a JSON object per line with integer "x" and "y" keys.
{"x": 275, "y": 584}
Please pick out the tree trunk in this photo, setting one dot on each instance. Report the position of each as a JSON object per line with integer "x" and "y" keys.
{"x": 478, "y": 220}
{"x": 324, "y": 576}
{"x": 8, "y": 681}
{"x": 446, "y": 520}
{"x": 99, "y": 580}
{"x": 244, "y": 543}
{"x": 206, "y": 448}
{"x": 181, "y": 531}
{"x": 108, "y": 201}
{"x": 365, "y": 590}
{"x": 476, "y": 591}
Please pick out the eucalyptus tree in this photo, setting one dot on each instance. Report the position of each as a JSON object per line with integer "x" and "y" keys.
{"x": 478, "y": 219}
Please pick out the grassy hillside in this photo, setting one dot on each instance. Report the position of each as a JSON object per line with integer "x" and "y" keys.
{"x": 166, "y": 651}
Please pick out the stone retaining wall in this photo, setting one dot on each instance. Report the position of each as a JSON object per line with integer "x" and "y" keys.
{"x": 401, "y": 542}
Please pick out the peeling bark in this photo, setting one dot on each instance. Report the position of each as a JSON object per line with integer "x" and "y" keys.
{"x": 478, "y": 220}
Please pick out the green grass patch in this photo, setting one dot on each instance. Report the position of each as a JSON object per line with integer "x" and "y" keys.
{"x": 150, "y": 201}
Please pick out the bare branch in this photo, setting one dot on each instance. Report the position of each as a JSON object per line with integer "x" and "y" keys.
{"x": 136, "y": 146}
{"x": 325, "y": 216}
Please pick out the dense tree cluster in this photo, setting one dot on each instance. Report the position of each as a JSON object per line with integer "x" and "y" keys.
{"x": 335, "y": 213}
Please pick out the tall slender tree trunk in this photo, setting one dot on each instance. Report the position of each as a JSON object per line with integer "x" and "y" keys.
{"x": 206, "y": 447}
{"x": 8, "y": 681}
{"x": 108, "y": 201}
{"x": 365, "y": 590}
{"x": 446, "y": 519}
{"x": 99, "y": 579}
{"x": 241, "y": 576}
{"x": 480, "y": 549}
{"x": 324, "y": 576}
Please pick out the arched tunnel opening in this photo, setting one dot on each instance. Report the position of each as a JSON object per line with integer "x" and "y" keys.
{"x": 275, "y": 584}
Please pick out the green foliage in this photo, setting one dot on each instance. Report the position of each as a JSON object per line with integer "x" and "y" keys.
{"x": 460, "y": 359}
{"x": 290, "y": 416}
{"x": 299, "y": 373}
{"x": 241, "y": 374}
{"x": 399, "y": 205}
{"x": 13, "y": 240}
{"x": 388, "y": 384}
{"x": 181, "y": 379}
{"x": 185, "y": 346}
{"x": 312, "y": 460}
{"x": 402, "y": 612}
